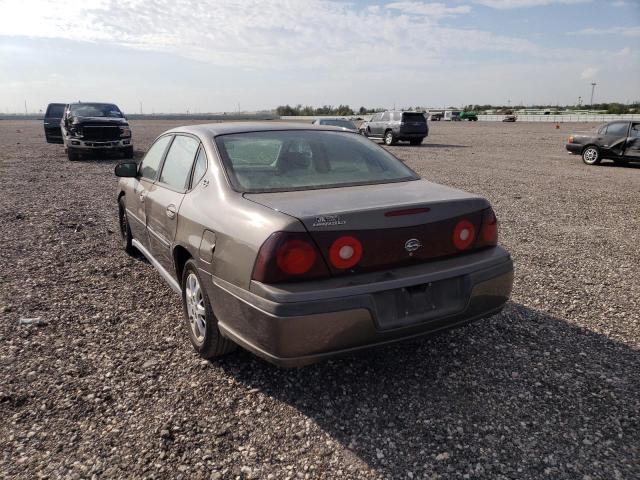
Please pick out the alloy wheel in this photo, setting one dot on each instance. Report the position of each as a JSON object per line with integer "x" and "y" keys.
{"x": 590, "y": 155}
{"x": 195, "y": 307}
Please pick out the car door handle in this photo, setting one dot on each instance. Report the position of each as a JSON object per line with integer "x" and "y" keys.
{"x": 171, "y": 211}
{"x": 142, "y": 194}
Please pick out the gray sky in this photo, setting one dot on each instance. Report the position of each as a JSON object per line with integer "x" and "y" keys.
{"x": 213, "y": 55}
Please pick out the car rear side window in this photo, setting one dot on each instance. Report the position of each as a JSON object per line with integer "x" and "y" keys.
{"x": 177, "y": 165}
{"x": 618, "y": 129}
{"x": 635, "y": 130}
{"x": 151, "y": 162}
{"x": 55, "y": 111}
{"x": 200, "y": 167}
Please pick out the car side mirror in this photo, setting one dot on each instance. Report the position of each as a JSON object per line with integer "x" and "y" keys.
{"x": 127, "y": 169}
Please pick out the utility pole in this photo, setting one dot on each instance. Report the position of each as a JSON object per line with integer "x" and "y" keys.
{"x": 25, "y": 107}
{"x": 140, "y": 108}
{"x": 593, "y": 87}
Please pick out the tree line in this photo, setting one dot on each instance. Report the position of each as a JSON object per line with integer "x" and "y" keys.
{"x": 346, "y": 110}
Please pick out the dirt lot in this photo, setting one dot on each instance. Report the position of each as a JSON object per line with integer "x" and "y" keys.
{"x": 106, "y": 384}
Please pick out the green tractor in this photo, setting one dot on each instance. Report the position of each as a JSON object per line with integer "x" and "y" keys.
{"x": 471, "y": 116}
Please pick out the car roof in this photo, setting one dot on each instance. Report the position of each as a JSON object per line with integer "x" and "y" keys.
{"x": 225, "y": 128}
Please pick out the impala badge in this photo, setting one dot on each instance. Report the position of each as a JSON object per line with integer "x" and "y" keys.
{"x": 412, "y": 245}
{"x": 328, "y": 221}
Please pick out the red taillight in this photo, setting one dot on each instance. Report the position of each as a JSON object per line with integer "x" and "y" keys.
{"x": 287, "y": 256}
{"x": 345, "y": 252}
{"x": 464, "y": 234}
{"x": 489, "y": 229}
{"x": 296, "y": 257}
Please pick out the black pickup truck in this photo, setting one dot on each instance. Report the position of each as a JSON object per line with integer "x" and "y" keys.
{"x": 618, "y": 141}
{"x": 397, "y": 126}
{"x": 87, "y": 127}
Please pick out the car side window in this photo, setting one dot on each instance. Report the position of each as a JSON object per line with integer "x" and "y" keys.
{"x": 618, "y": 129}
{"x": 386, "y": 117}
{"x": 635, "y": 130}
{"x": 377, "y": 117}
{"x": 151, "y": 161}
{"x": 177, "y": 165}
{"x": 200, "y": 167}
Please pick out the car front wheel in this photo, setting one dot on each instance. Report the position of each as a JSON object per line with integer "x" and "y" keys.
{"x": 72, "y": 154}
{"x": 125, "y": 229}
{"x": 203, "y": 325}
{"x": 591, "y": 155}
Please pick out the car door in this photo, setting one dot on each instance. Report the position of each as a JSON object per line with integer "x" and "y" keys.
{"x": 52, "y": 118}
{"x": 135, "y": 198}
{"x": 632, "y": 147}
{"x": 614, "y": 139}
{"x": 375, "y": 127}
{"x": 165, "y": 196}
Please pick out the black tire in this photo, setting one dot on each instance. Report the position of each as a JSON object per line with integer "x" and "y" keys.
{"x": 72, "y": 154}
{"x": 125, "y": 229}
{"x": 212, "y": 344}
{"x": 591, "y": 155}
{"x": 389, "y": 139}
{"x": 416, "y": 142}
{"x": 127, "y": 152}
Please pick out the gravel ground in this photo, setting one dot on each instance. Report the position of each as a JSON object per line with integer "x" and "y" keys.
{"x": 103, "y": 383}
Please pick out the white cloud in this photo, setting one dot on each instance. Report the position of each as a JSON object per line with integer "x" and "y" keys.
{"x": 589, "y": 73}
{"x": 509, "y": 4}
{"x": 261, "y": 34}
{"x": 433, "y": 10}
{"x": 625, "y": 31}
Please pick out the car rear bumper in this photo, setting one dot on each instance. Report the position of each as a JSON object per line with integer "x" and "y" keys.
{"x": 300, "y": 324}
{"x": 411, "y": 135}
{"x": 574, "y": 147}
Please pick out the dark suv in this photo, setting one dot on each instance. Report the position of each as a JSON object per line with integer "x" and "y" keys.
{"x": 392, "y": 127}
{"x": 88, "y": 127}
{"x": 52, "y": 118}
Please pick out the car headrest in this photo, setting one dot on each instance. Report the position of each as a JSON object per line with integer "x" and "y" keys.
{"x": 293, "y": 161}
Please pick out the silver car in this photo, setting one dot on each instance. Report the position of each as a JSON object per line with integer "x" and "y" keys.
{"x": 299, "y": 242}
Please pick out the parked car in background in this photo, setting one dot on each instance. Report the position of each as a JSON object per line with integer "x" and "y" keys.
{"x": 618, "y": 141}
{"x": 509, "y": 118}
{"x": 436, "y": 116}
{"x": 336, "y": 122}
{"x": 452, "y": 115}
{"x": 300, "y": 242}
{"x": 470, "y": 116}
{"x": 394, "y": 126}
{"x": 52, "y": 118}
{"x": 90, "y": 127}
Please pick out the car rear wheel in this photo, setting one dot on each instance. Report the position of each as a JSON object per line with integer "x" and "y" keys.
{"x": 591, "y": 155}
{"x": 127, "y": 152}
{"x": 125, "y": 230}
{"x": 203, "y": 325}
{"x": 388, "y": 138}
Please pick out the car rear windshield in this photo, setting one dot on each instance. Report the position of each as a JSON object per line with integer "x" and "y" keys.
{"x": 287, "y": 160}
{"x": 95, "y": 110}
{"x": 413, "y": 117}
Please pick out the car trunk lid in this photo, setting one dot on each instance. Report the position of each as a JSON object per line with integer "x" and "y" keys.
{"x": 397, "y": 223}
